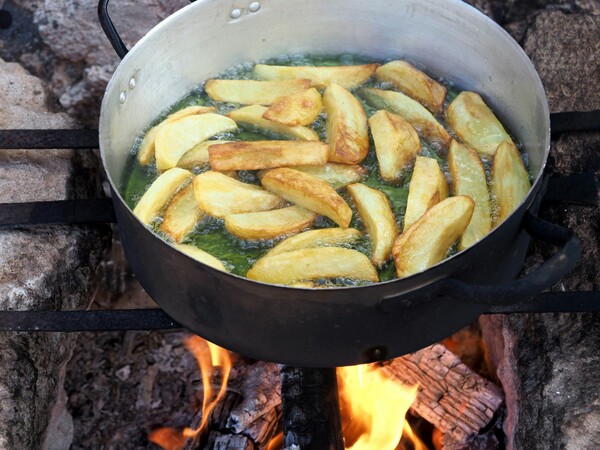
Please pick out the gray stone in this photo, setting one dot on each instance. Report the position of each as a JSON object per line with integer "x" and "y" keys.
{"x": 46, "y": 268}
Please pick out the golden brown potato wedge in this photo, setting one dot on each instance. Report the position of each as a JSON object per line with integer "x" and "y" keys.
{"x": 428, "y": 240}
{"x": 347, "y": 132}
{"x": 309, "y": 192}
{"x": 348, "y": 77}
{"x": 411, "y": 111}
{"x": 427, "y": 187}
{"x": 174, "y": 139}
{"x": 251, "y": 92}
{"x": 396, "y": 143}
{"x": 302, "y": 108}
{"x": 311, "y": 264}
{"x": 182, "y": 214}
{"x": 337, "y": 175}
{"x": 220, "y": 195}
{"x": 159, "y": 193}
{"x": 201, "y": 255}
{"x": 414, "y": 83}
{"x": 253, "y": 115}
{"x": 198, "y": 155}
{"x": 324, "y": 237}
{"x": 269, "y": 224}
{"x": 510, "y": 180}
{"x": 468, "y": 176}
{"x": 255, "y": 155}
{"x": 145, "y": 153}
{"x": 376, "y": 213}
{"x": 475, "y": 124}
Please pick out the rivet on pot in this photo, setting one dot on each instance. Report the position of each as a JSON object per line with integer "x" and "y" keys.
{"x": 254, "y": 6}
{"x": 122, "y": 97}
{"x": 236, "y": 13}
{"x": 132, "y": 83}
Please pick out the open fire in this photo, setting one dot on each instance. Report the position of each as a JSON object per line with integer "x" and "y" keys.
{"x": 372, "y": 405}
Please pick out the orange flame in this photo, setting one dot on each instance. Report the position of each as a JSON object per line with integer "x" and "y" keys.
{"x": 209, "y": 356}
{"x": 374, "y": 409}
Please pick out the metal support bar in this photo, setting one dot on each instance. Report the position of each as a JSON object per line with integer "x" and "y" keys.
{"x": 62, "y": 212}
{"x": 156, "y": 319}
{"x": 578, "y": 189}
{"x": 574, "y": 121}
{"x": 48, "y": 139}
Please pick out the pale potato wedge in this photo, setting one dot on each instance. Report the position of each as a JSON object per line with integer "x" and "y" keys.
{"x": 428, "y": 186}
{"x": 377, "y": 215}
{"x": 411, "y": 111}
{"x": 468, "y": 177}
{"x": 312, "y": 264}
{"x": 201, "y": 255}
{"x": 428, "y": 240}
{"x": 302, "y": 285}
{"x": 324, "y": 237}
{"x": 182, "y": 214}
{"x": 220, "y": 195}
{"x": 253, "y": 115}
{"x": 510, "y": 180}
{"x": 396, "y": 144}
{"x": 309, "y": 192}
{"x": 145, "y": 153}
{"x": 302, "y": 108}
{"x": 348, "y": 77}
{"x": 347, "y": 131}
{"x": 475, "y": 124}
{"x": 174, "y": 139}
{"x": 337, "y": 175}
{"x": 256, "y": 155}
{"x": 159, "y": 193}
{"x": 269, "y": 224}
{"x": 197, "y": 155}
{"x": 251, "y": 92}
{"x": 414, "y": 83}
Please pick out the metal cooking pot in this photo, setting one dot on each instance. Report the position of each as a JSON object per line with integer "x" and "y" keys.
{"x": 333, "y": 327}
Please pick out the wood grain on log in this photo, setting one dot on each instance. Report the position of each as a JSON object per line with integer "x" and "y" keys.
{"x": 451, "y": 396}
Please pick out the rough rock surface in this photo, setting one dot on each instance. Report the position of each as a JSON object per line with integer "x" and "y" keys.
{"x": 548, "y": 363}
{"x": 46, "y": 268}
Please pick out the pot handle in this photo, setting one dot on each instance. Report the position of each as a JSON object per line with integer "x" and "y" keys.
{"x": 109, "y": 29}
{"x": 522, "y": 289}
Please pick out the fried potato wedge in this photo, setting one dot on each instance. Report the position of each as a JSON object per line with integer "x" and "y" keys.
{"x": 475, "y": 124}
{"x": 510, "y": 180}
{"x": 347, "y": 131}
{"x": 377, "y": 215}
{"x": 201, "y": 255}
{"x": 220, "y": 195}
{"x": 159, "y": 193}
{"x": 182, "y": 214}
{"x": 253, "y": 115}
{"x": 348, "y": 77}
{"x": 176, "y": 138}
{"x": 251, "y": 92}
{"x": 146, "y": 151}
{"x": 309, "y": 192}
{"x": 256, "y": 155}
{"x": 324, "y": 237}
{"x": 337, "y": 175}
{"x": 427, "y": 187}
{"x": 411, "y": 111}
{"x": 468, "y": 176}
{"x": 414, "y": 83}
{"x": 396, "y": 143}
{"x": 197, "y": 155}
{"x": 311, "y": 264}
{"x": 302, "y": 108}
{"x": 269, "y": 224}
{"x": 428, "y": 240}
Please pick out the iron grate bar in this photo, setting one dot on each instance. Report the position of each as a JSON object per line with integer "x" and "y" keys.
{"x": 61, "y": 212}
{"x": 48, "y": 139}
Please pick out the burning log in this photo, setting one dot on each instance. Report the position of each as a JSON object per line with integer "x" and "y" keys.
{"x": 451, "y": 396}
{"x": 311, "y": 413}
